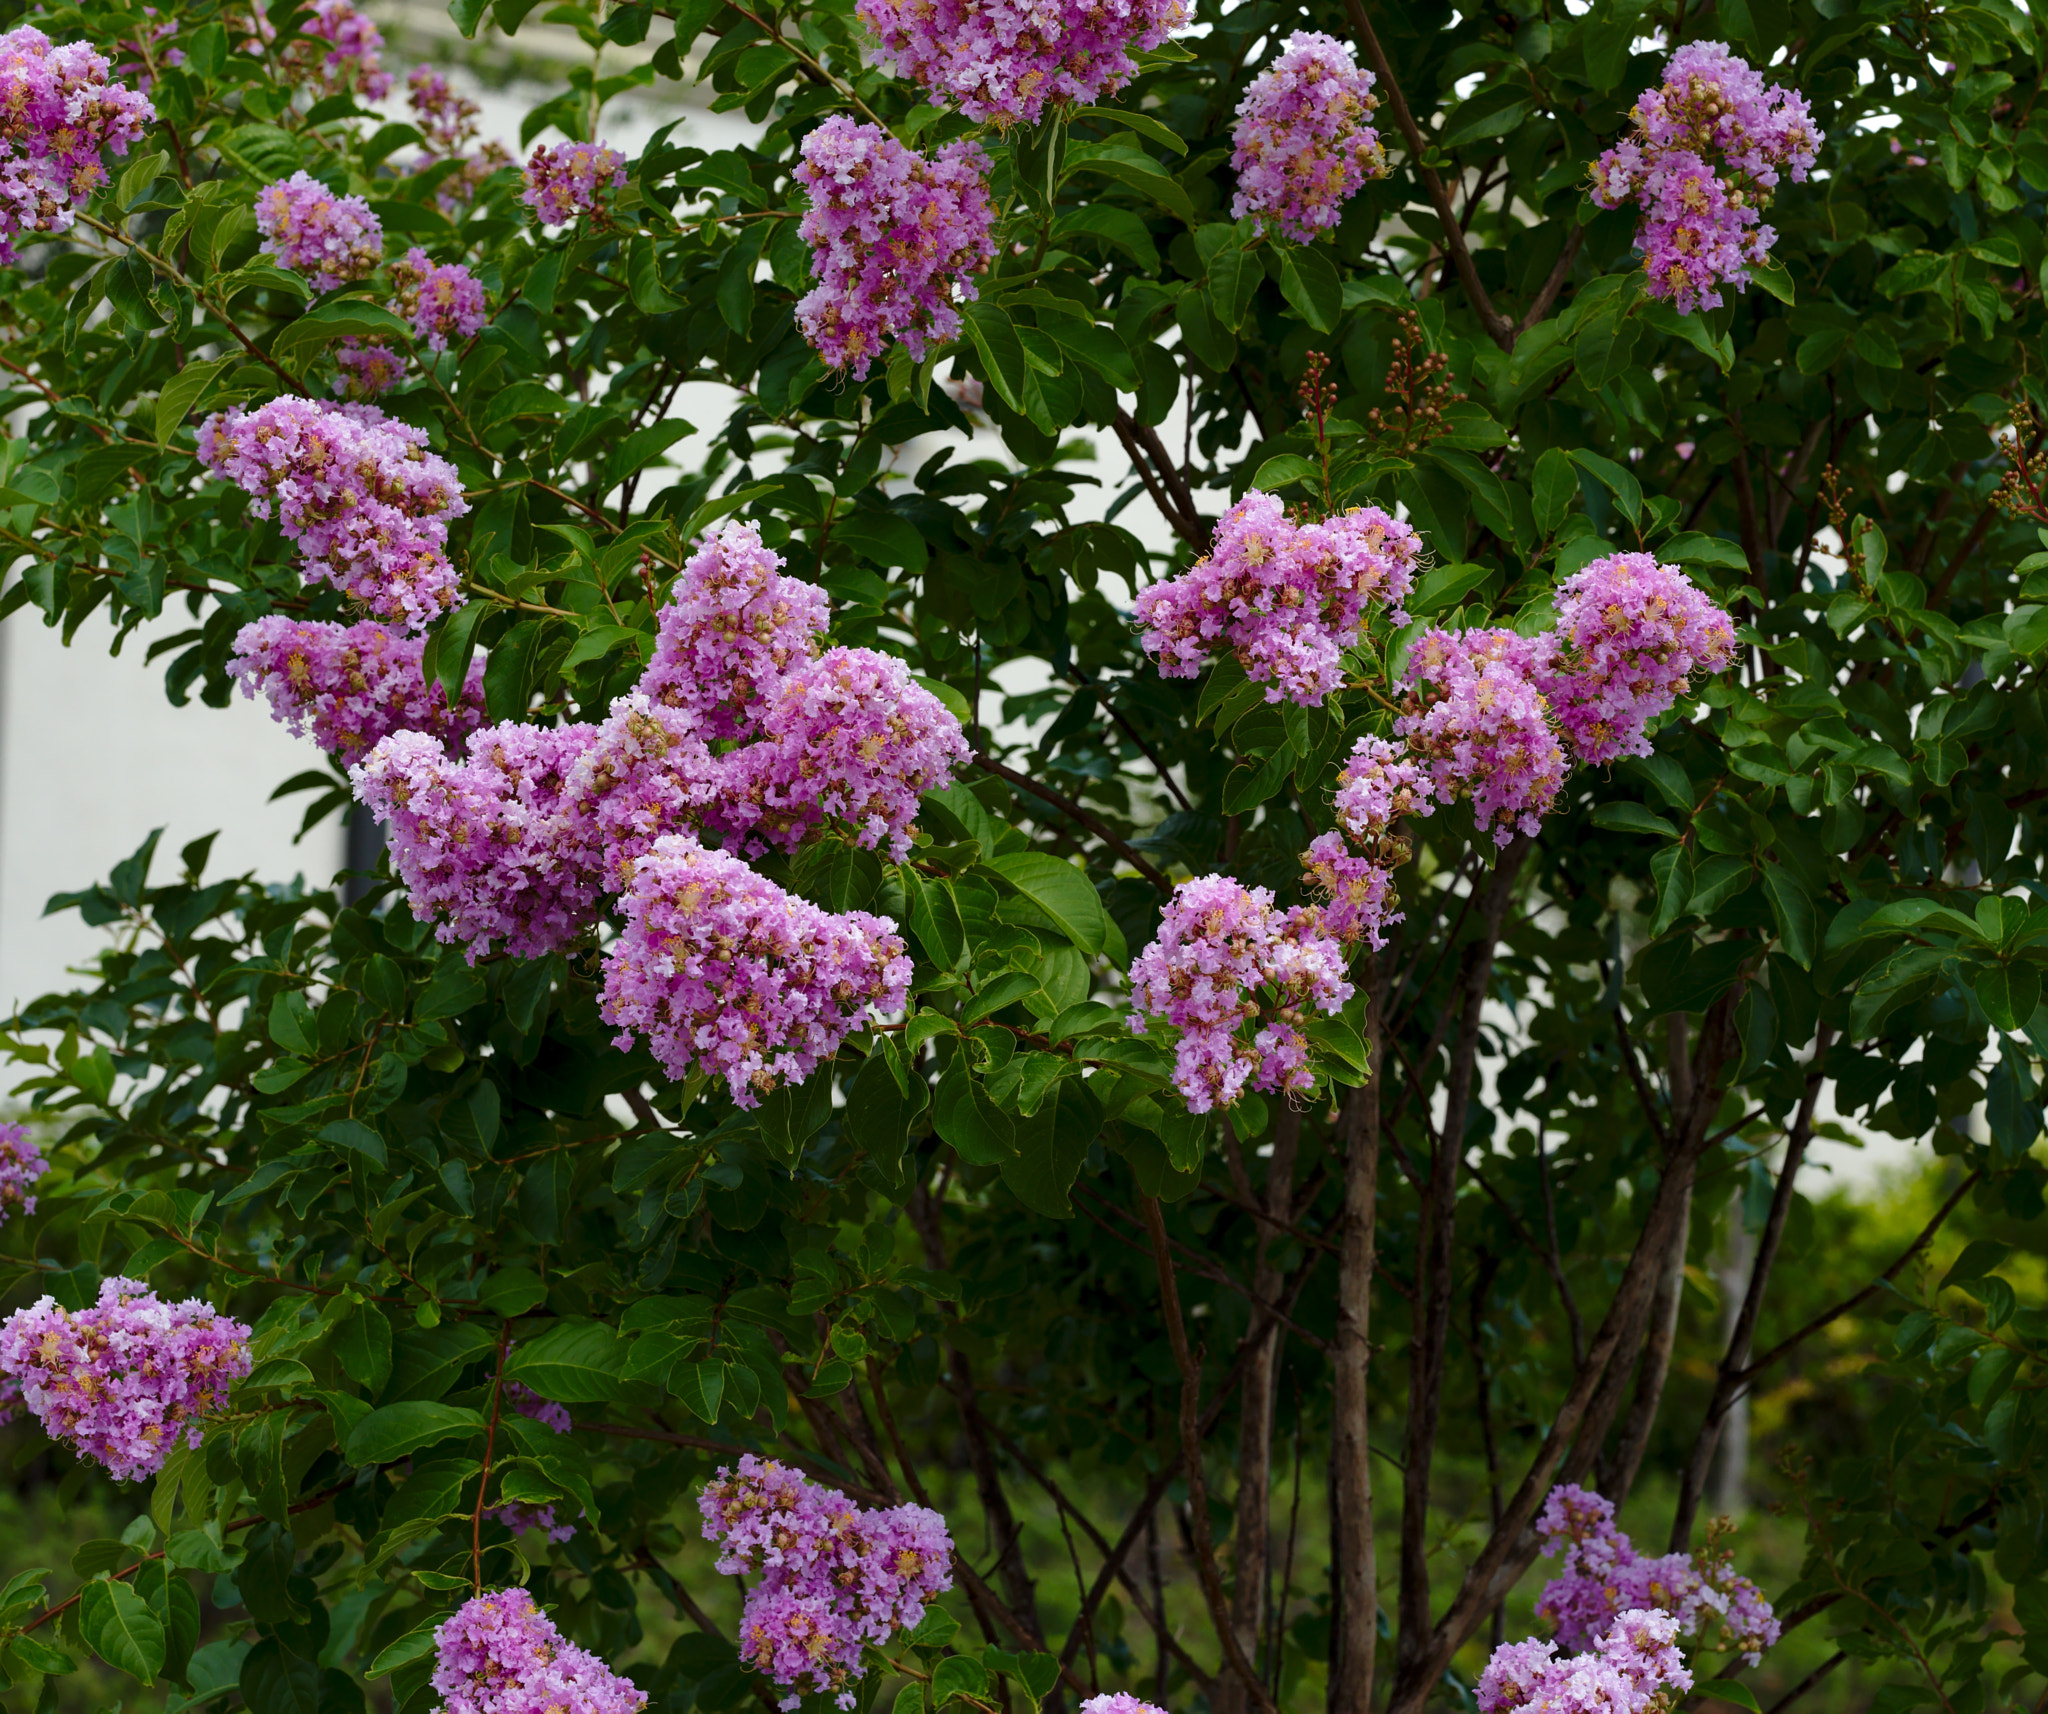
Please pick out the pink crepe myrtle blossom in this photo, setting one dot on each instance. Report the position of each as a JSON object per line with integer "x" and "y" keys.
{"x": 1304, "y": 142}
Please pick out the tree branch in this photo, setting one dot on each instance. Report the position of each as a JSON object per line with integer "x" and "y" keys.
{"x": 1498, "y": 327}
{"x": 1074, "y": 812}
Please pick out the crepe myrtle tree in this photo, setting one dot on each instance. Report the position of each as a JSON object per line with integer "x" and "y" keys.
{"x": 1528, "y": 525}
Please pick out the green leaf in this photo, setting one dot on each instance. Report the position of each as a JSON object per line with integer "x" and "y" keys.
{"x": 302, "y": 340}
{"x": 1794, "y": 912}
{"x": 965, "y": 1117}
{"x": 1556, "y": 487}
{"x": 1142, "y": 123}
{"x": 699, "y": 1387}
{"x": 277, "y": 1681}
{"x": 1727, "y": 1690}
{"x": 576, "y": 1362}
{"x": 1281, "y": 469}
{"x": 1062, "y": 891}
{"x": 1129, "y": 166}
{"x": 1310, "y": 283}
{"x": 1445, "y": 586}
{"x": 177, "y": 397}
{"x": 414, "y": 1645}
{"x": 2009, "y": 994}
{"x": 1633, "y": 818}
{"x": 389, "y": 1434}
{"x": 1627, "y": 491}
{"x": 1777, "y": 282}
{"x": 122, "y": 1630}
{"x": 1002, "y": 353}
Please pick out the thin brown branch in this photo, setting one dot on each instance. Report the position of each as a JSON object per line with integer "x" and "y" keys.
{"x": 1498, "y": 327}
{"x": 1191, "y": 1459}
{"x": 1074, "y": 812}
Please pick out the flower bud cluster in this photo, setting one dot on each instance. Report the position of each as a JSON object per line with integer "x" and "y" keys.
{"x": 1304, "y": 138}
{"x": 894, "y": 235}
{"x": 500, "y": 1654}
{"x": 571, "y": 179}
{"x": 447, "y": 123}
{"x": 58, "y": 110}
{"x": 1287, "y": 599}
{"x": 21, "y": 1164}
{"x": 126, "y": 1380}
{"x": 349, "y": 686}
{"x": 1708, "y": 147}
{"x": 359, "y": 493}
{"x": 308, "y": 229}
{"x": 1003, "y": 62}
{"x": 1235, "y": 977}
{"x": 830, "y": 1576}
{"x": 1603, "y": 1577}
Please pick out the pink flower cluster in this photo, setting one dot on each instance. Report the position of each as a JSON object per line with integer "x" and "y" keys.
{"x": 124, "y": 1381}
{"x": 1631, "y": 1669}
{"x": 21, "y": 1164}
{"x": 438, "y": 298}
{"x": 1630, "y": 635}
{"x": 894, "y": 235}
{"x": 500, "y": 1654}
{"x": 1287, "y": 599}
{"x": 1304, "y": 138}
{"x": 723, "y": 972}
{"x": 367, "y": 371}
{"x": 349, "y": 686}
{"x": 308, "y": 229}
{"x": 833, "y": 1576}
{"x": 1603, "y": 1578}
{"x": 360, "y": 494}
{"x": 447, "y": 123}
{"x": 1482, "y": 727}
{"x": 1119, "y": 1702}
{"x": 57, "y": 112}
{"x": 1003, "y": 62}
{"x": 731, "y": 627}
{"x": 571, "y": 179}
{"x": 519, "y": 843}
{"x": 1235, "y": 977}
{"x": 1706, "y": 152}
{"x": 488, "y": 844}
{"x": 1377, "y": 787}
{"x": 340, "y": 53}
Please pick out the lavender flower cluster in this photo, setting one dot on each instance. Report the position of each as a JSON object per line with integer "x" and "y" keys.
{"x": 21, "y": 1164}
{"x": 447, "y": 123}
{"x": 1634, "y": 1668}
{"x": 571, "y": 179}
{"x": 1479, "y": 722}
{"x": 500, "y": 1654}
{"x": 1235, "y": 977}
{"x": 1304, "y": 141}
{"x": 308, "y": 229}
{"x": 1003, "y": 62}
{"x": 439, "y": 299}
{"x": 1287, "y": 599}
{"x": 1603, "y": 1577}
{"x": 724, "y": 972}
{"x": 1119, "y": 1702}
{"x": 894, "y": 235}
{"x": 58, "y": 110}
{"x": 739, "y": 732}
{"x": 831, "y": 1576}
{"x": 340, "y": 52}
{"x": 360, "y": 494}
{"x": 1707, "y": 150}
{"x": 349, "y": 687}
{"x": 124, "y": 1381}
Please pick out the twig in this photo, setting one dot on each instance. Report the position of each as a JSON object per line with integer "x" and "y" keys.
{"x": 476, "y": 1519}
{"x": 1074, "y": 812}
{"x": 1191, "y": 1458}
